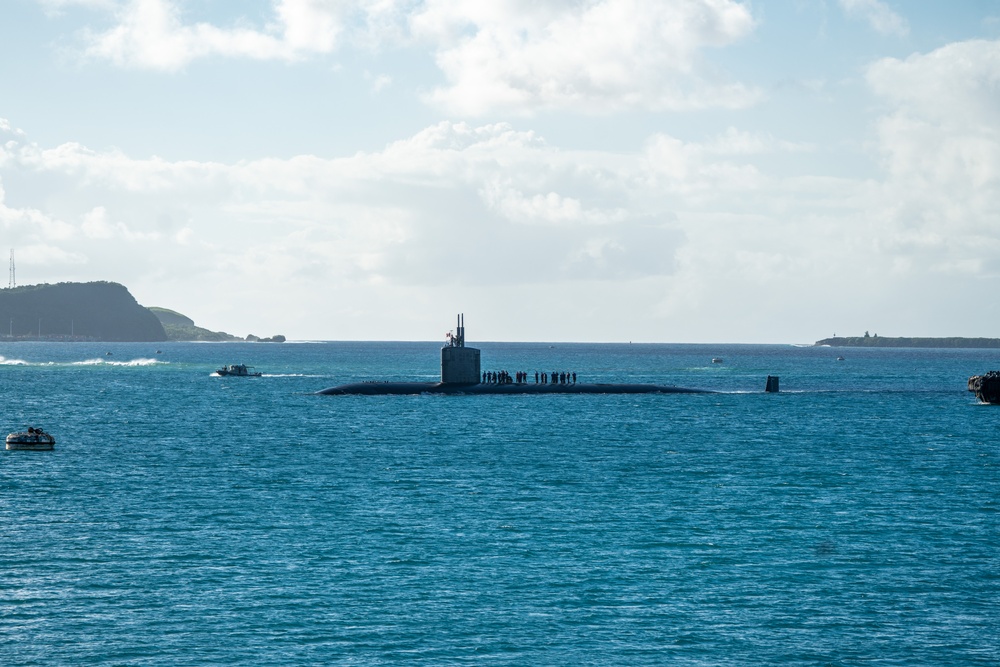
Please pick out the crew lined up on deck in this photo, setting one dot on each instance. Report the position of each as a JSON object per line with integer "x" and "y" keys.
{"x": 521, "y": 377}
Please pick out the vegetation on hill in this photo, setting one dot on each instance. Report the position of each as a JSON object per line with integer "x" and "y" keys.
{"x": 182, "y": 328}
{"x": 167, "y": 316}
{"x": 882, "y": 341}
{"x": 102, "y": 311}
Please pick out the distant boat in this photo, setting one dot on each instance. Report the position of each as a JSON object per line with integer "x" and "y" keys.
{"x": 238, "y": 370}
{"x": 716, "y": 360}
{"x": 34, "y": 439}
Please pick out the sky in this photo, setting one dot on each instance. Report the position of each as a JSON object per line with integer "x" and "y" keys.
{"x": 677, "y": 171}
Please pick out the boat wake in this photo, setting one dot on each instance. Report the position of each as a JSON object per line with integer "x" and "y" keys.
{"x": 4, "y": 361}
{"x": 109, "y": 362}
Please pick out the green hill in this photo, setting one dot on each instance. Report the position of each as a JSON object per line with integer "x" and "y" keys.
{"x": 171, "y": 317}
{"x": 101, "y": 311}
{"x": 181, "y": 327}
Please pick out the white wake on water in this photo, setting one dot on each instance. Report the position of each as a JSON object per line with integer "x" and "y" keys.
{"x": 110, "y": 362}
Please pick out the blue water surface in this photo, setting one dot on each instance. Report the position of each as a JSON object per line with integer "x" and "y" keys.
{"x": 191, "y": 519}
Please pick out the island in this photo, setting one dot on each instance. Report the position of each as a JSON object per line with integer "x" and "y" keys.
{"x": 886, "y": 341}
{"x": 96, "y": 311}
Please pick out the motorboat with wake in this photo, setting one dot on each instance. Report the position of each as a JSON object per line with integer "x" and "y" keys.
{"x": 238, "y": 370}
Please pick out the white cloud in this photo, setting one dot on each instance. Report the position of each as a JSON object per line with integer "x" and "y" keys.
{"x": 878, "y": 15}
{"x": 96, "y": 225}
{"x": 30, "y": 225}
{"x": 151, "y": 34}
{"x": 597, "y": 57}
{"x": 941, "y": 149}
{"x": 378, "y": 82}
{"x": 7, "y": 128}
{"x": 493, "y": 212}
{"x": 488, "y": 208}
{"x": 56, "y": 7}
{"x": 733, "y": 141}
{"x": 310, "y": 25}
{"x": 503, "y": 56}
{"x": 957, "y": 84}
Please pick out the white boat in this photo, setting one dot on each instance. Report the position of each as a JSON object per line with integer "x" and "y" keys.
{"x": 34, "y": 439}
{"x": 238, "y": 370}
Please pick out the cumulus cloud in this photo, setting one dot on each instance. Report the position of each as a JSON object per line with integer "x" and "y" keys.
{"x": 518, "y": 56}
{"x": 486, "y": 207}
{"x": 152, "y": 34}
{"x": 506, "y": 56}
{"x": 488, "y": 211}
{"x": 96, "y": 225}
{"x": 449, "y": 198}
{"x": 878, "y": 15}
{"x": 56, "y": 7}
{"x": 957, "y": 83}
{"x": 941, "y": 148}
{"x": 378, "y": 82}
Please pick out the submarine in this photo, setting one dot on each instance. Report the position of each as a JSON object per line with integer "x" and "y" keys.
{"x": 461, "y": 373}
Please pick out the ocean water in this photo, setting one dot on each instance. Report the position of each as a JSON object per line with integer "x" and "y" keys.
{"x": 189, "y": 519}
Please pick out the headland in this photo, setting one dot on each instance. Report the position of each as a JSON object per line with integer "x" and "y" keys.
{"x": 100, "y": 311}
{"x": 96, "y": 311}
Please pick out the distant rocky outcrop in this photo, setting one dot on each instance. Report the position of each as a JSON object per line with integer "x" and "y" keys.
{"x": 278, "y": 338}
{"x": 101, "y": 311}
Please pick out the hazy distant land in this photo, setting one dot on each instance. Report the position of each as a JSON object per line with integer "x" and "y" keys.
{"x": 885, "y": 341}
{"x": 96, "y": 311}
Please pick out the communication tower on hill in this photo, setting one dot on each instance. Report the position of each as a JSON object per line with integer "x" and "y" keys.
{"x": 13, "y": 280}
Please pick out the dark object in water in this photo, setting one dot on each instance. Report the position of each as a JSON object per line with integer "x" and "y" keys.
{"x": 986, "y": 387}
{"x": 771, "y": 386}
{"x": 238, "y": 370}
{"x": 35, "y": 439}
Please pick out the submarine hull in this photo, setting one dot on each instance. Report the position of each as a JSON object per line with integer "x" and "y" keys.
{"x": 403, "y": 388}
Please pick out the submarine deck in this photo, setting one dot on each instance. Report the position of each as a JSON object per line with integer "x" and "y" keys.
{"x": 402, "y": 388}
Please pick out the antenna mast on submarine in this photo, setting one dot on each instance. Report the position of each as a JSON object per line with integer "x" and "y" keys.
{"x": 460, "y": 331}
